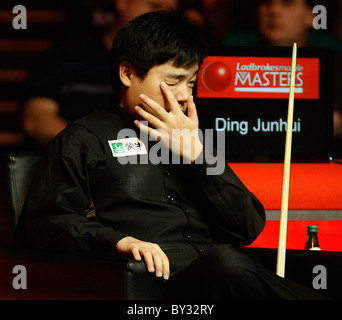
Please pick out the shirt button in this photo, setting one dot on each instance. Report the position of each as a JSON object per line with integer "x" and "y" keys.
{"x": 187, "y": 236}
{"x": 169, "y": 198}
{"x": 167, "y": 173}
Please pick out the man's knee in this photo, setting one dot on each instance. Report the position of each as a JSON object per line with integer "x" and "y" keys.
{"x": 227, "y": 260}
{"x": 214, "y": 274}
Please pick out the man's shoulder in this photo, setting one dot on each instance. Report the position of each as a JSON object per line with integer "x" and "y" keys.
{"x": 75, "y": 131}
{"x": 76, "y": 138}
{"x": 99, "y": 119}
{"x": 114, "y": 118}
{"x": 78, "y": 129}
{"x": 98, "y": 124}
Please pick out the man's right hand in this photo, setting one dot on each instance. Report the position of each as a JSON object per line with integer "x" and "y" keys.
{"x": 155, "y": 258}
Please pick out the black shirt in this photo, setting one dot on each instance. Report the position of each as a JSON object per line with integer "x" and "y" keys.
{"x": 83, "y": 199}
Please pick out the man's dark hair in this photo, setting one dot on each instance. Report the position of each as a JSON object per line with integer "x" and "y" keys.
{"x": 152, "y": 39}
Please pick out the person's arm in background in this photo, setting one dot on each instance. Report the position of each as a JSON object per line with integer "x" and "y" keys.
{"x": 40, "y": 119}
{"x": 39, "y": 109}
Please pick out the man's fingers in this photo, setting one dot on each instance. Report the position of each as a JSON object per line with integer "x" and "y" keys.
{"x": 158, "y": 264}
{"x": 170, "y": 98}
{"x": 149, "y": 117}
{"x": 161, "y": 264}
{"x": 166, "y": 267}
{"x": 156, "y": 261}
{"x": 153, "y": 107}
{"x": 136, "y": 254}
{"x": 192, "y": 111}
{"x": 155, "y": 134}
{"x": 155, "y": 258}
{"x": 148, "y": 260}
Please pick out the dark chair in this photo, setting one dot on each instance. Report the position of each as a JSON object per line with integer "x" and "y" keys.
{"x": 105, "y": 275}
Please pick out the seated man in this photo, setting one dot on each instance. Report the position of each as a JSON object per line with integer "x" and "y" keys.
{"x": 101, "y": 187}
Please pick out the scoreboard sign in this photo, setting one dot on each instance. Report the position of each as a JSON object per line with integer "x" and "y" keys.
{"x": 244, "y": 91}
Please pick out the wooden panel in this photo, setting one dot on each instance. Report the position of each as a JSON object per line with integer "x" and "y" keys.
{"x": 34, "y": 31}
{"x": 18, "y": 59}
{"x": 11, "y": 90}
{"x": 8, "y": 106}
{"x": 10, "y": 122}
{"x": 11, "y": 138}
{"x": 13, "y": 75}
{"x": 25, "y": 45}
{"x": 35, "y": 16}
{"x": 37, "y": 4}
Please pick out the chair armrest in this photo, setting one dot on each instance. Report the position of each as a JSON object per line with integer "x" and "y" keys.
{"x": 82, "y": 275}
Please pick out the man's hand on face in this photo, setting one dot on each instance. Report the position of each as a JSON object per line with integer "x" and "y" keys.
{"x": 174, "y": 129}
{"x": 155, "y": 258}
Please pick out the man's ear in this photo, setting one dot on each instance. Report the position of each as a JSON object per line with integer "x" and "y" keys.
{"x": 125, "y": 73}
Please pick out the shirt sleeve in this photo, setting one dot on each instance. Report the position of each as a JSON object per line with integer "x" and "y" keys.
{"x": 59, "y": 212}
{"x": 235, "y": 215}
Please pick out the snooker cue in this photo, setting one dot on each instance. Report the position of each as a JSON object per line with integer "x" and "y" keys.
{"x": 286, "y": 174}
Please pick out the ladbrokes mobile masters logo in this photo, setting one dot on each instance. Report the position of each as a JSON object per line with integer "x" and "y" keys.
{"x": 257, "y": 77}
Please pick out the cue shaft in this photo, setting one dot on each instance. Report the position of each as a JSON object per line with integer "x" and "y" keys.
{"x": 286, "y": 174}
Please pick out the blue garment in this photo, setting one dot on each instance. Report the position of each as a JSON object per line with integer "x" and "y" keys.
{"x": 316, "y": 39}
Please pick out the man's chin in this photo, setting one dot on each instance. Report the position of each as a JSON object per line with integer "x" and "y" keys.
{"x": 276, "y": 38}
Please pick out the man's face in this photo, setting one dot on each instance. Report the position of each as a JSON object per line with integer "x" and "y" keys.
{"x": 181, "y": 82}
{"x": 282, "y": 22}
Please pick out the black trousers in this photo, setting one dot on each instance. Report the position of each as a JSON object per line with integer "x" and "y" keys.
{"x": 223, "y": 272}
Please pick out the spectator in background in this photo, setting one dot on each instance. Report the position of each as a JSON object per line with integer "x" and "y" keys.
{"x": 193, "y": 11}
{"x": 282, "y": 22}
{"x": 73, "y": 76}
{"x": 213, "y": 17}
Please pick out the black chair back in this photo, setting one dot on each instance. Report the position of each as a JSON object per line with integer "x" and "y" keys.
{"x": 16, "y": 174}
